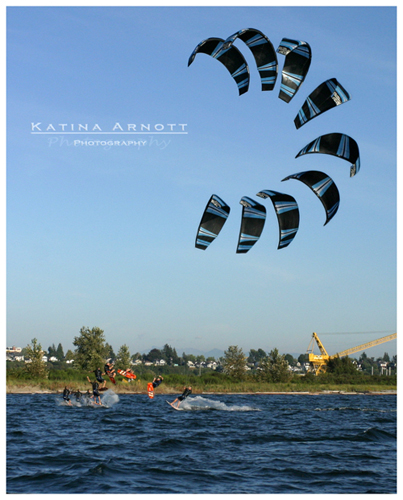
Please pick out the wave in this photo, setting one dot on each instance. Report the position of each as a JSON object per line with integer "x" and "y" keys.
{"x": 108, "y": 399}
{"x": 200, "y": 403}
{"x": 376, "y": 434}
{"x": 355, "y": 408}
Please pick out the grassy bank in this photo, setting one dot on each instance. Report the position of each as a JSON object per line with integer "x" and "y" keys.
{"x": 19, "y": 380}
{"x": 171, "y": 387}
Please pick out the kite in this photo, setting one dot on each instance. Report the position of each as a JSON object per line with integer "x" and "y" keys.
{"x": 287, "y": 215}
{"x": 230, "y": 57}
{"x": 263, "y": 52}
{"x": 253, "y": 219}
{"x": 336, "y": 144}
{"x": 328, "y": 95}
{"x": 298, "y": 56}
{"x": 324, "y": 188}
{"x": 213, "y": 219}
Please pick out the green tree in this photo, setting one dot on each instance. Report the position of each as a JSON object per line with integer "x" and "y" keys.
{"x": 188, "y": 357}
{"x": 303, "y": 358}
{"x": 170, "y": 355}
{"x": 368, "y": 365}
{"x": 60, "y": 353}
{"x": 90, "y": 350}
{"x": 109, "y": 354}
{"x": 341, "y": 366}
{"x": 52, "y": 351}
{"x": 290, "y": 359}
{"x": 36, "y": 367}
{"x": 274, "y": 368}
{"x": 255, "y": 357}
{"x": 153, "y": 356}
{"x": 69, "y": 355}
{"x": 234, "y": 362}
{"x": 123, "y": 358}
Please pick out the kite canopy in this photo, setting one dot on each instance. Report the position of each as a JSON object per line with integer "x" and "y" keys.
{"x": 263, "y": 52}
{"x": 298, "y": 56}
{"x": 287, "y": 215}
{"x": 230, "y": 57}
{"x": 324, "y": 188}
{"x": 336, "y": 144}
{"x": 328, "y": 95}
{"x": 252, "y": 223}
{"x": 213, "y": 219}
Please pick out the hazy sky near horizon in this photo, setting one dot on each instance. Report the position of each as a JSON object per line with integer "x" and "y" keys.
{"x": 105, "y": 235}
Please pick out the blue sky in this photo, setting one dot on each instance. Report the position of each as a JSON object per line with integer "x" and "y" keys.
{"x": 104, "y": 236}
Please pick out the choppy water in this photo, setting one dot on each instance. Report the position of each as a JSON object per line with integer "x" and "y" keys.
{"x": 216, "y": 444}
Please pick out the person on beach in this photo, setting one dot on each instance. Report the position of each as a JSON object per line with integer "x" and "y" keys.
{"x": 98, "y": 375}
{"x": 157, "y": 380}
{"x": 95, "y": 391}
{"x": 186, "y": 392}
{"x": 66, "y": 395}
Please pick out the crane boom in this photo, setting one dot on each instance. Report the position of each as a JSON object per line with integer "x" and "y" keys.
{"x": 320, "y": 345}
{"x": 319, "y": 361}
{"x": 365, "y": 346}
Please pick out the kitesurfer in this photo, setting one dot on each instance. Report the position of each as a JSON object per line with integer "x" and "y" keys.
{"x": 186, "y": 392}
{"x": 95, "y": 391}
{"x": 109, "y": 370}
{"x": 157, "y": 380}
{"x": 78, "y": 395}
{"x": 129, "y": 374}
{"x": 98, "y": 375}
{"x": 66, "y": 395}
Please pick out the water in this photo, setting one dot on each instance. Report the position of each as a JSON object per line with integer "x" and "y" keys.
{"x": 215, "y": 444}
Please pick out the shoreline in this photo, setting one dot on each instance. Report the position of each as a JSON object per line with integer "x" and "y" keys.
{"x": 387, "y": 392}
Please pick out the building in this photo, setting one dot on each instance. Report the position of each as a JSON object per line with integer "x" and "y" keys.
{"x": 13, "y": 350}
{"x": 14, "y": 354}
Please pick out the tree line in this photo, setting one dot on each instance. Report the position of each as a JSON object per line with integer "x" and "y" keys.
{"x": 91, "y": 351}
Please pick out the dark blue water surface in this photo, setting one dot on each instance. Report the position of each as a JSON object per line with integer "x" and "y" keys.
{"x": 216, "y": 444}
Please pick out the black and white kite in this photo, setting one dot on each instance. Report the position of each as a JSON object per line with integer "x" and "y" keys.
{"x": 230, "y": 57}
{"x": 324, "y": 188}
{"x": 212, "y": 221}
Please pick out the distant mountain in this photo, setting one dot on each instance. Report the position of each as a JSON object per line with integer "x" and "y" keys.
{"x": 216, "y": 353}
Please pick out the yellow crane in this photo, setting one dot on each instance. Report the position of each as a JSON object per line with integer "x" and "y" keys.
{"x": 319, "y": 361}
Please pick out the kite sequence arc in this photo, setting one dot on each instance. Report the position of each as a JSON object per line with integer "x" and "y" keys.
{"x": 328, "y": 95}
